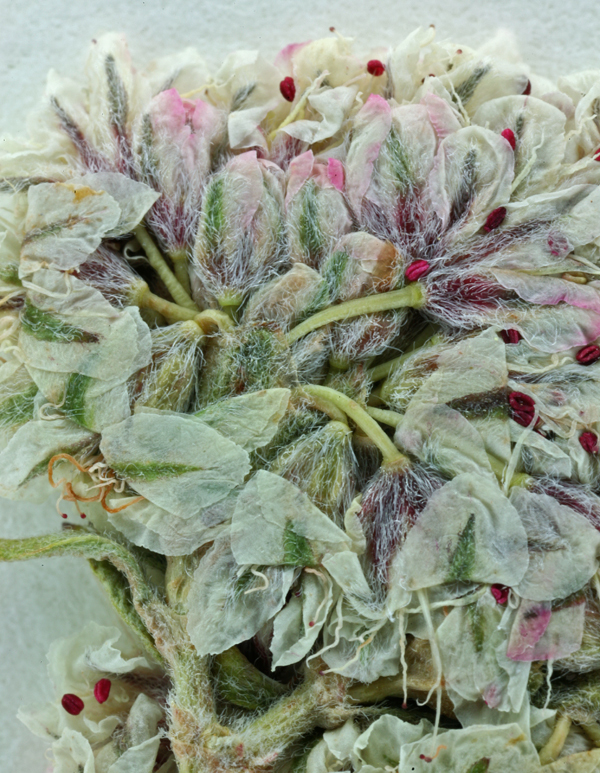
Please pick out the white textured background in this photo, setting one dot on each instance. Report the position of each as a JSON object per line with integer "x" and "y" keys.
{"x": 44, "y": 600}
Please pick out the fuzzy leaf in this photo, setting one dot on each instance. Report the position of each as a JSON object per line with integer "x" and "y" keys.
{"x": 468, "y": 531}
{"x": 175, "y": 461}
{"x": 226, "y": 606}
{"x": 249, "y": 420}
{"x": 275, "y": 523}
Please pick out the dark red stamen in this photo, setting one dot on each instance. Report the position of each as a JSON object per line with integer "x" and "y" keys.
{"x": 311, "y": 624}
{"x": 589, "y": 442}
{"x": 500, "y": 593}
{"x": 416, "y": 270}
{"x": 597, "y": 155}
{"x": 288, "y": 89}
{"x": 522, "y": 408}
{"x": 588, "y": 355}
{"x": 64, "y": 515}
{"x": 102, "y": 690}
{"x": 72, "y": 704}
{"x": 494, "y": 219}
{"x": 509, "y": 136}
{"x": 82, "y": 515}
{"x": 375, "y": 67}
{"x": 511, "y": 336}
{"x": 527, "y": 90}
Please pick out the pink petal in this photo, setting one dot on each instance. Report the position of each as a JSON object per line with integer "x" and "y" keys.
{"x": 372, "y": 125}
{"x": 335, "y": 172}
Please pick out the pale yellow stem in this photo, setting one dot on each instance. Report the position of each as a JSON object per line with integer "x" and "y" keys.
{"x": 391, "y": 418}
{"x": 385, "y": 368}
{"x": 410, "y": 296}
{"x": 555, "y": 743}
{"x": 180, "y": 264}
{"x": 159, "y": 264}
{"x": 361, "y": 418}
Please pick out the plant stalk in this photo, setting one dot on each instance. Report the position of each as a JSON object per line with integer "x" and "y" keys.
{"x": 361, "y": 418}
{"x": 411, "y": 296}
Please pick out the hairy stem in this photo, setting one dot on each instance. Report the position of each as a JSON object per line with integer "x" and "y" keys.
{"x": 412, "y": 296}
{"x": 159, "y": 264}
{"x": 384, "y": 369}
{"x": 361, "y": 418}
{"x": 242, "y": 684}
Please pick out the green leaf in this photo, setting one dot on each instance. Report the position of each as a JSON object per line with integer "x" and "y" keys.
{"x": 480, "y": 766}
{"x": 117, "y": 95}
{"x": 18, "y": 408}
{"x": 49, "y": 327}
{"x": 152, "y": 471}
{"x": 463, "y": 559}
{"x": 214, "y": 215}
{"x": 311, "y": 238}
{"x": 399, "y": 162}
{"x": 465, "y": 90}
{"x": 296, "y": 549}
{"x": 74, "y": 402}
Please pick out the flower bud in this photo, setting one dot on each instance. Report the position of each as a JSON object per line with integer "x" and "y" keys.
{"x": 239, "y": 240}
{"x": 322, "y": 465}
{"x": 170, "y": 381}
{"x": 317, "y": 215}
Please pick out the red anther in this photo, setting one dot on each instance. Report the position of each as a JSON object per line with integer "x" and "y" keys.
{"x": 288, "y": 89}
{"x": 72, "y": 704}
{"x": 102, "y": 690}
{"x": 416, "y": 270}
{"x": 375, "y": 67}
{"x": 311, "y": 624}
{"x": 64, "y": 515}
{"x": 500, "y": 593}
{"x": 509, "y": 136}
{"x": 589, "y": 442}
{"x": 511, "y": 336}
{"x": 494, "y": 219}
{"x": 527, "y": 90}
{"x": 523, "y": 408}
{"x": 597, "y": 155}
{"x": 82, "y": 515}
{"x": 588, "y": 355}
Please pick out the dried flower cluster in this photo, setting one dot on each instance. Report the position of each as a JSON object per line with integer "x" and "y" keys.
{"x": 311, "y": 347}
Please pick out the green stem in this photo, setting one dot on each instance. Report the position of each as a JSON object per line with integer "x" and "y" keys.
{"x": 323, "y": 405}
{"x": 361, "y": 418}
{"x": 592, "y": 730}
{"x": 384, "y": 369}
{"x": 391, "y": 418}
{"x": 520, "y": 479}
{"x": 180, "y": 264}
{"x": 412, "y": 296}
{"x": 289, "y": 719}
{"x": 242, "y": 684}
{"x": 172, "y": 312}
{"x": 159, "y": 264}
{"x": 119, "y": 593}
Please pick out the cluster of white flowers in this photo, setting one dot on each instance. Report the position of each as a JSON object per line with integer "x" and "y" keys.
{"x": 314, "y": 349}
